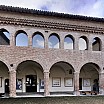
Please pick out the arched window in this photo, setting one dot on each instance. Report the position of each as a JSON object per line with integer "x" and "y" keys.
{"x": 83, "y": 43}
{"x": 38, "y": 40}
{"x": 53, "y": 41}
{"x": 21, "y": 38}
{"x": 4, "y": 37}
{"x": 96, "y": 44}
{"x": 69, "y": 42}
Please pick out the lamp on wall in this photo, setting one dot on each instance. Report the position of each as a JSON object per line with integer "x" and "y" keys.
{"x": 70, "y": 71}
{"x": 11, "y": 65}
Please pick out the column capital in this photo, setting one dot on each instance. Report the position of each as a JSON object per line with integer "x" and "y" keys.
{"x": 12, "y": 71}
{"x": 46, "y": 72}
{"x": 101, "y": 73}
{"x": 76, "y": 72}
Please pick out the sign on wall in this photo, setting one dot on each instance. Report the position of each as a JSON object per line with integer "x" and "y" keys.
{"x": 19, "y": 84}
{"x": 41, "y": 83}
{"x": 68, "y": 82}
{"x": 86, "y": 82}
{"x": 56, "y": 82}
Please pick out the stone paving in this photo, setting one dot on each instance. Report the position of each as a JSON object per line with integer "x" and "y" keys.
{"x": 55, "y": 100}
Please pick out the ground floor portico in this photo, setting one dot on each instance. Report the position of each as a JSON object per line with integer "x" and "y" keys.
{"x": 30, "y": 78}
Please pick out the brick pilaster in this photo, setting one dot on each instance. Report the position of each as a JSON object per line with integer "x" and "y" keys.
{"x": 46, "y": 84}
{"x": 12, "y": 83}
{"x": 76, "y": 83}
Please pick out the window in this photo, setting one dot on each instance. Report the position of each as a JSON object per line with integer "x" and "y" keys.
{"x": 21, "y": 38}
{"x": 38, "y": 40}
{"x": 96, "y": 44}
{"x": 83, "y": 43}
{"x": 68, "y": 42}
{"x": 4, "y": 37}
{"x": 53, "y": 41}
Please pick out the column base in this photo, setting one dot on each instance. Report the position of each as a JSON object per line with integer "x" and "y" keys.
{"x": 101, "y": 91}
{"x": 13, "y": 95}
{"x": 46, "y": 94}
{"x": 76, "y": 93}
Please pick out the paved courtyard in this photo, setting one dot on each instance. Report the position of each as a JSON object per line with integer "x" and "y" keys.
{"x": 55, "y": 100}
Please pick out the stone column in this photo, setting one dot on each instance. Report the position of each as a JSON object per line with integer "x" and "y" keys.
{"x": 29, "y": 39}
{"x": 101, "y": 83}
{"x": 12, "y": 38}
{"x": 46, "y": 39}
{"x": 76, "y": 84}
{"x": 90, "y": 43}
{"x": 12, "y": 83}
{"x": 61, "y": 42}
{"x": 76, "y": 43}
{"x": 46, "y": 84}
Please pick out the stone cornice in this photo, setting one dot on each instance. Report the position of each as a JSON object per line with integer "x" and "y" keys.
{"x": 49, "y": 25}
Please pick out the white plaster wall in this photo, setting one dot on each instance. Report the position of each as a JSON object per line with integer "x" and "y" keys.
{"x": 60, "y": 73}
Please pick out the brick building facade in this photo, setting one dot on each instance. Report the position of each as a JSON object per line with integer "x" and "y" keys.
{"x": 51, "y": 69}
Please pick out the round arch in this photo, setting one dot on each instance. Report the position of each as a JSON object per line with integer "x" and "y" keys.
{"x": 92, "y": 63}
{"x": 30, "y": 61}
{"x": 4, "y": 30}
{"x": 62, "y": 63}
{"x": 31, "y": 73}
{"x": 4, "y": 78}
{"x": 83, "y": 43}
{"x": 96, "y": 44}
{"x": 89, "y": 77}
{"x": 54, "y": 41}
{"x": 35, "y": 33}
{"x": 69, "y": 42}
{"x": 20, "y": 31}
{"x": 4, "y": 64}
{"x": 38, "y": 40}
{"x": 5, "y": 35}
{"x": 21, "y": 38}
{"x": 60, "y": 74}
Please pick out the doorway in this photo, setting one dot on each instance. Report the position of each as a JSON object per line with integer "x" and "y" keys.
{"x": 80, "y": 83}
{"x": 6, "y": 85}
{"x": 31, "y": 83}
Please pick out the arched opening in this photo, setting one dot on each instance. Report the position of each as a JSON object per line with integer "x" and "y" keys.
{"x": 96, "y": 44}
{"x": 21, "y": 38}
{"x": 4, "y": 78}
{"x": 83, "y": 43}
{"x": 38, "y": 40}
{"x": 61, "y": 77}
{"x": 89, "y": 78}
{"x": 68, "y": 42}
{"x": 30, "y": 73}
{"x": 4, "y": 37}
{"x": 53, "y": 41}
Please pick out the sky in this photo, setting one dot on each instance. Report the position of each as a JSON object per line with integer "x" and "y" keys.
{"x": 93, "y": 8}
